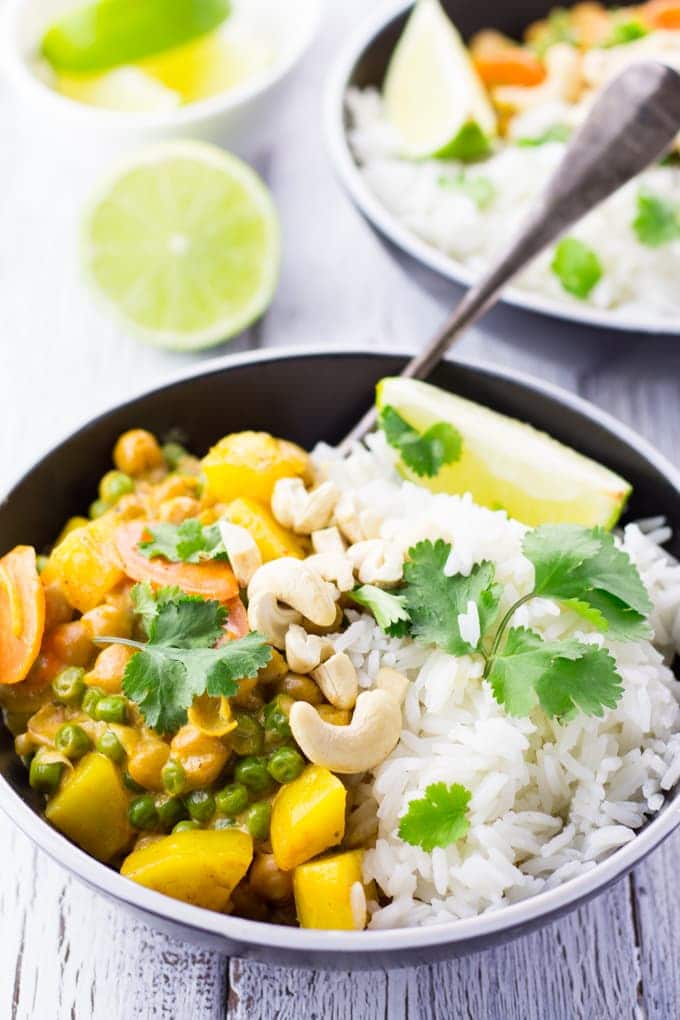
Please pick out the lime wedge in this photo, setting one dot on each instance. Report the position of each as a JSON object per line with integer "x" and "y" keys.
{"x": 183, "y": 244}
{"x": 506, "y": 464}
{"x": 433, "y": 95}
{"x": 114, "y": 32}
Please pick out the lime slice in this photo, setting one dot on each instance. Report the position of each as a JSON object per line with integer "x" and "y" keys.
{"x": 124, "y": 88}
{"x": 433, "y": 95}
{"x": 506, "y": 464}
{"x": 183, "y": 244}
{"x": 114, "y": 32}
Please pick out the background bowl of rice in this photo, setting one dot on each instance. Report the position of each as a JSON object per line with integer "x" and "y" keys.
{"x": 404, "y": 213}
{"x": 263, "y": 392}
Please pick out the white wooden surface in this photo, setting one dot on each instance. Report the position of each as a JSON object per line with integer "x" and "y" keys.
{"x": 66, "y": 953}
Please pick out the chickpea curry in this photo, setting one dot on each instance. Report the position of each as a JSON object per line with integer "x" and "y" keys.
{"x": 167, "y": 676}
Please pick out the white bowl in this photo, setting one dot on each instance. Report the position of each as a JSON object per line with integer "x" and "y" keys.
{"x": 237, "y": 118}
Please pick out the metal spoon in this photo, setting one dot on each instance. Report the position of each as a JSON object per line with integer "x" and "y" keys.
{"x": 632, "y": 124}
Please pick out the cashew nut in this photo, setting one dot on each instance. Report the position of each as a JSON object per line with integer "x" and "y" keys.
{"x": 304, "y": 651}
{"x": 338, "y": 681}
{"x": 373, "y": 732}
{"x": 392, "y": 681}
{"x": 376, "y": 561}
{"x": 300, "y": 510}
{"x": 244, "y": 556}
{"x": 333, "y": 567}
{"x": 267, "y": 616}
{"x": 328, "y": 540}
{"x": 291, "y": 581}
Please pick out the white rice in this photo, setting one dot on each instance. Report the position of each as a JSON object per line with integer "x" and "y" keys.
{"x": 637, "y": 279}
{"x": 548, "y": 800}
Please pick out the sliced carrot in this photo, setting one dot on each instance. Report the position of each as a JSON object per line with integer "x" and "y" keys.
{"x": 22, "y": 613}
{"x": 661, "y": 14}
{"x": 213, "y": 579}
{"x": 509, "y": 66}
{"x": 237, "y": 625}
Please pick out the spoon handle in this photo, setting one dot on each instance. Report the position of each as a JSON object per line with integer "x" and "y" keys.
{"x": 631, "y": 124}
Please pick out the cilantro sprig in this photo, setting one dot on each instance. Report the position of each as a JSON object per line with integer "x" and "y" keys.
{"x": 179, "y": 661}
{"x": 424, "y": 453}
{"x": 188, "y": 542}
{"x": 657, "y": 221}
{"x": 581, "y": 568}
{"x": 577, "y": 267}
{"x": 389, "y": 610}
{"x": 439, "y": 818}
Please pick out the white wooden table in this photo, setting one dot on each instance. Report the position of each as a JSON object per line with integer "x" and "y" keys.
{"x": 66, "y": 953}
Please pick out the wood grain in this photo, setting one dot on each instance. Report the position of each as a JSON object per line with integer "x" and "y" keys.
{"x": 67, "y": 953}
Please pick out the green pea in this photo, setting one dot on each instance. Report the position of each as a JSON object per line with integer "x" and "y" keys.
{"x": 112, "y": 708}
{"x": 258, "y": 817}
{"x": 173, "y": 776}
{"x": 41, "y": 562}
{"x": 232, "y": 800}
{"x": 201, "y": 805}
{"x": 72, "y": 741}
{"x": 285, "y": 764}
{"x": 248, "y": 737}
{"x": 170, "y": 811}
{"x": 252, "y": 773}
{"x": 98, "y": 509}
{"x": 44, "y": 776}
{"x": 69, "y": 686}
{"x": 142, "y": 812}
{"x": 113, "y": 485}
{"x": 277, "y": 727}
{"x": 189, "y": 825}
{"x": 131, "y": 783}
{"x": 91, "y": 699}
{"x": 173, "y": 453}
{"x": 110, "y": 745}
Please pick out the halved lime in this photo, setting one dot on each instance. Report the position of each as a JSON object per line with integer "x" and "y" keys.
{"x": 182, "y": 242}
{"x": 506, "y": 464}
{"x": 114, "y": 32}
{"x": 433, "y": 95}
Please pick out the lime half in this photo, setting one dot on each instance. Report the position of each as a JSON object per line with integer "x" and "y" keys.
{"x": 183, "y": 244}
{"x": 110, "y": 33}
{"x": 433, "y": 95}
{"x": 506, "y": 464}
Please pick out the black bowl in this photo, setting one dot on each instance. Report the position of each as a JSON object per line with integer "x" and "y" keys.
{"x": 309, "y": 397}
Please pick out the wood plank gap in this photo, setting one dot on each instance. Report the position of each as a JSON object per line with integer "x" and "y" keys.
{"x": 638, "y": 937}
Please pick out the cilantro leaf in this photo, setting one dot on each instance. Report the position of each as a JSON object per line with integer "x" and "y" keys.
{"x": 179, "y": 661}
{"x": 434, "y": 601}
{"x": 389, "y": 609}
{"x": 559, "y": 675}
{"x": 437, "y": 819}
{"x": 576, "y": 266}
{"x": 584, "y": 569}
{"x": 657, "y": 221}
{"x": 554, "y": 133}
{"x": 625, "y": 32}
{"x": 479, "y": 189}
{"x": 425, "y": 454}
{"x": 188, "y": 542}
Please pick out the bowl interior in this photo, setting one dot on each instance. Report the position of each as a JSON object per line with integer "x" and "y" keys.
{"x": 306, "y": 398}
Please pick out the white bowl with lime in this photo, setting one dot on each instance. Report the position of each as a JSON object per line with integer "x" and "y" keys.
{"x": 111, "y": 69}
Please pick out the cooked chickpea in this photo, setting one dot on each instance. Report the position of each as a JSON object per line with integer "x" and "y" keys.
{"x": 300, "y": 688}
{"x": 109, "y": 621}
{"x": 175, "y": 486}
{"x": 179, "y": 509}
{"x": 72, "y": 643}
{"x": 108, "y": 668}
{"x": 137, "y": 451}
{"x": 248, "y": 696}
{"x": 146, "y": 763}
{"x": 268, "y": 881}
{"x": 201, "y": 756}
{"x": 274, "y": 670}
{"x": 57, "y": 607}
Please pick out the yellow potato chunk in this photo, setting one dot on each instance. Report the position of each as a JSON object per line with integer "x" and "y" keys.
{"x": 308, "y": 817}
{"x": 86, "y": 564}
{"x": 249, "y": 464}
{"x": 91, "y": 808}
{"x": 200, "y": 867}
{"x": 323, "y": 892}
{"x": 272, "y": 540}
